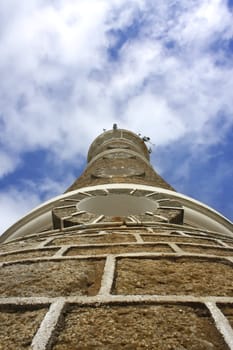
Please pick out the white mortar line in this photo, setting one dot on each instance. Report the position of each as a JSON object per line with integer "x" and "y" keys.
{"x": 149, "y": 255}
{"x": 138, "y": 238}
{"x": 45, "y": 242}
{"x": 223, "y": 243}
{"x": 168, "y": 299}
{"x": 43, "y": 338}
{"x": 21, "y": 301}
{"x": 181, "y": 233}
{"x": 205, "y": 245}
{"x": 132, "y": 218}
{"x": 77, "y": 213}
{"x": 18, "y": 302}
{"x": 175, "y": 248}
{"x": 108, "y": 276}
{"x": 151, "y": 194}
{"x": 149, "y": 213}
{"x": 222, "y": 324}
{"x": 161, "y": 217}
{"x": 98, "y": 219}
{"x": 170, "y": 208}
{"x": 66, "y": 206}
{"x": 62, "y": 250}
{"x": 86, "y": 194}
{"x": 127, "y": 299}
{"x": 196, "y": 234}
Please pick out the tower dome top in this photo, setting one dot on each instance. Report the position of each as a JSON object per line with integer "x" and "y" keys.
{"x": 118, "y": 138}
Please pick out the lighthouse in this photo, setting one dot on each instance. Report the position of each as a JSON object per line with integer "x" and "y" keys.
{"x": 121, "y": 260}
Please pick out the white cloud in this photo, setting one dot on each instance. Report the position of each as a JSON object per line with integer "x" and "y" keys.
{"x": 206, "y": 22}
{"x": 14, "y": 204}
{"x": 171, "y": 78}
{"x": 164, "y": 121}
{"x": 7, "y": 163}
{"x": 62, "y": 83}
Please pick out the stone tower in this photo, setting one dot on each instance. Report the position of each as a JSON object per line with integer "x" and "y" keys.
{"x": 120, "y": 261}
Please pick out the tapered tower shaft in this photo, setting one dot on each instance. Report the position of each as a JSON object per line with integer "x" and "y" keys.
{"x": 119, "y": 156}
{"x": 119, "y": 261}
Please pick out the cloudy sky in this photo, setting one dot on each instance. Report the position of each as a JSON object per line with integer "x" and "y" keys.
{"x": 70, "y": 68}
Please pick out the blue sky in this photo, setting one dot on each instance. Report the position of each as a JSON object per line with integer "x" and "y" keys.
{"x": 71, "y": 68}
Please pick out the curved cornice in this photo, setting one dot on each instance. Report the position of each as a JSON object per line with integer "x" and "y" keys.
{"x": 195, "y": 212}
{"x": 112, "y": 151}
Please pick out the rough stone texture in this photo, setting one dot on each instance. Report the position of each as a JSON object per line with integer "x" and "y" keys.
{"x": 157, "y": 327}
{"x": 27, "y": 243}
{"x": 198, "y": 277}
{"x": 117, "y": 138}
{"x": 117, "y": 325}
{"x": 64, "y": 211}
{"x": 120, "y": 249}
{"x": 174, "y": 239}
{"x": 170, "y": 214}
{"x": 27, "y": 255}
{"x": 173, "y": 215}
{"x": 116, "y": 146}
{"x": 71, "y": 216}
{"x": 206, "y": 235}
{"x": 109, "y": 238}
{"x": 203, "y": 250}
{"x": 123, "y": 155}
{"x": 19, "y": 327}
{"x": 150, "y": 177}
{"x": 59, "y": 214}
{"x": 49, "y": 278}
{"x": 110, "y": 219}
{"x": 160, "y": 231}
{"x": 227, "y": 310}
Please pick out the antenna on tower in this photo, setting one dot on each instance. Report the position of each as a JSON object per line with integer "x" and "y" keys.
{"x": 146, "y": 138}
